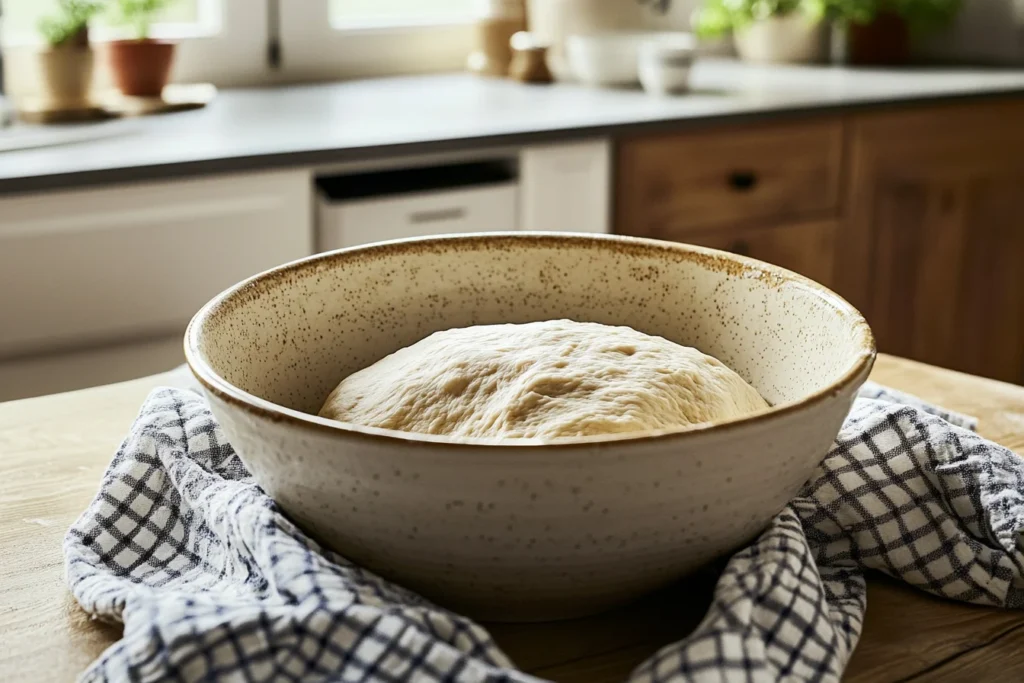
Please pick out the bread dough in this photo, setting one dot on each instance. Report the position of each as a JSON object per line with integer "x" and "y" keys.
{"x": 543, "y": 380}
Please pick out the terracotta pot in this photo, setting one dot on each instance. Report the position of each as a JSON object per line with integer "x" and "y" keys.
{"x": 66, "y": 76}
{"x": 141, "y": 67}
{"x": 788, "y": 39}
{"x": 885, "y": 41}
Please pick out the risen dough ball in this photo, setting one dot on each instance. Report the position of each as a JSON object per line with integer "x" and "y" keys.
{"x": 542, "y": 380}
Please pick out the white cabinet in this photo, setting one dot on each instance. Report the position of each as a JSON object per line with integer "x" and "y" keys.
{"x": 70, "y": 370}
{"x": 417, "y": 201}
{"x": 97, "y": 284}
{"x": 566, "y": 187}
{"x": 482, "y": 209}
{"x": 105, "y": 266}
{"x": 557, "y": 187}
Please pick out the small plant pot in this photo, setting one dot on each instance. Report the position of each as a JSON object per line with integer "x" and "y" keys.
{"x": 883, "y": 42}
{"x": 792, "y": 38}
{"x": 66, "y": 76}
{"x": 141, "y": 68}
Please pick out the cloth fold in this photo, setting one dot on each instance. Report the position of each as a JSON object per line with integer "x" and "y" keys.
{"x": 213, "y": 582}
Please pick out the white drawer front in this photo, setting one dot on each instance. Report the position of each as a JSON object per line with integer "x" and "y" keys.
{"x": 566, "y": 188}
{"x": 482, "y": 209}
{"x": 109, "y": 264}
{"x": 54, "y": 373}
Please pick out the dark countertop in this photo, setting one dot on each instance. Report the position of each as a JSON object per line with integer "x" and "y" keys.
{"x": 319, "y": 125}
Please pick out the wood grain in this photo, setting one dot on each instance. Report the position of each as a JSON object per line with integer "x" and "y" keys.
{"x": 54, "y": 450}
{"x": 932, "y": 244}
{"x": 805, "y": 248}
{"x": 668, "y": 186}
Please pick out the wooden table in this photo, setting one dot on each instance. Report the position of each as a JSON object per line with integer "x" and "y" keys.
{"x": 54, "y": 449}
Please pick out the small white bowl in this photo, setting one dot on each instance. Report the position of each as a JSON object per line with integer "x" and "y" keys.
{"x": 611, "y": 59}
{"x": 605, "y": 59}
{"x": 664, "y": 66}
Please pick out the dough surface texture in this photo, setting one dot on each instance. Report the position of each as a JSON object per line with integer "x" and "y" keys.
{"x": 542, "y": 380}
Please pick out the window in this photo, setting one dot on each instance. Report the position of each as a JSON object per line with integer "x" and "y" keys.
{"x": 222, "y": 42}
{"x": 227, "y": 42}
{"x": 348, "y": 38}
{"x": 181, "y": 19}
{"x": 361, "y": 13}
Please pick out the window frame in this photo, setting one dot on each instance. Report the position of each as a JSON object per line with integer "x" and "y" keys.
{"x": 236, "y": 55}
{"x": 231, "y": 43}
{"x": 229, "y": 49}
{"x": 312, "y": 48}
{"x": 208, "y": 25}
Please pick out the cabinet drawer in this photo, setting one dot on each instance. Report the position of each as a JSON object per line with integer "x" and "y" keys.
{"x": 92, "y": 266}
{"x": 805, "y": 248}
{"x": 482, "y": 209}
{"x": 670, "y": 185}
{"x": 53, "y": 373}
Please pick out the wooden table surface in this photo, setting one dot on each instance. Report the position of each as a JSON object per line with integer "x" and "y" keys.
{"x": 54, "y": 449}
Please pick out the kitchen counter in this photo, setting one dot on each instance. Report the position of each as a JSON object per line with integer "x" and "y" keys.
{"x": 320, "y": 125}
{"x": 56, "y": 448}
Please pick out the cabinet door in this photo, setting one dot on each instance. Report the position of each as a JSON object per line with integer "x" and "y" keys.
{"x": 936, "y": 207}
{"x": 565, "y": 187}
{"x": 805, "y": 248}
{"x": 24, "y": 377}
{"x": 136, "y": 261}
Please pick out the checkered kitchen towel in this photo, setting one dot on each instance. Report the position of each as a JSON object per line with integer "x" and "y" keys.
{"x": 212, "y": 582}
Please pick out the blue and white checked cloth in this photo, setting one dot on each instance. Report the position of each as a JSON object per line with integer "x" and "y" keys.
{"x": 212, "y": 582}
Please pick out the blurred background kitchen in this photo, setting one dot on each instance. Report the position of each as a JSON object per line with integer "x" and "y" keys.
{"x": 154, "y": 152}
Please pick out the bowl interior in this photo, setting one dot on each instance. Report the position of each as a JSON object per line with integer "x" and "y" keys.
{"x": 290, "y": 335}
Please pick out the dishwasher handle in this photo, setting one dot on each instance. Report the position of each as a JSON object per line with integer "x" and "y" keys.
{"x": 437, "y": 215}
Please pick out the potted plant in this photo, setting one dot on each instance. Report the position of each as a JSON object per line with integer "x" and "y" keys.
{"x": 141, "y": 65}
{"x": 766, "y": 31}
{"x": 878, "y": 32}
{"x": 66, "y": 62}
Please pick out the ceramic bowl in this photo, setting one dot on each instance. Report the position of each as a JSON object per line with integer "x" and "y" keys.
{"x": 608, "y": 59}
{"x": 664, "y": 67}
{"x": 522, "y": 530}
{"x": 611, "y": 58}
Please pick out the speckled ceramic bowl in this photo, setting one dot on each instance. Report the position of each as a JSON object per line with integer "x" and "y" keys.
{"x": 527, "y": 531}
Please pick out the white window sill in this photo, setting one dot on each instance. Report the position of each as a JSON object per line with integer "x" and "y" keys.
{"x": 384, "y": 27}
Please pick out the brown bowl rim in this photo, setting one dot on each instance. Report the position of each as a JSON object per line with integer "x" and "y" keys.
{"x": 713, "y": 258}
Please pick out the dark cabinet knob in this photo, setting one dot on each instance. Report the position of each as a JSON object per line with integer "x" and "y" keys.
{"x": 742, "y": 181}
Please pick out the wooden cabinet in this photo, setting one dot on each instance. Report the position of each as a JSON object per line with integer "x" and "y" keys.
{"x": 916, "y": 216}
{"x": 933, "y": 245}
{"x": 670, "y": 186}
{"x": 806, "y": 248}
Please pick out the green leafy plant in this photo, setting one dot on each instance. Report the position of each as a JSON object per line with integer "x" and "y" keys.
{"x": 138, "y": 15}
{"x": 921, "y": 15}
{"x": 69, "y": 24}
{"x": 718, "y": 17}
